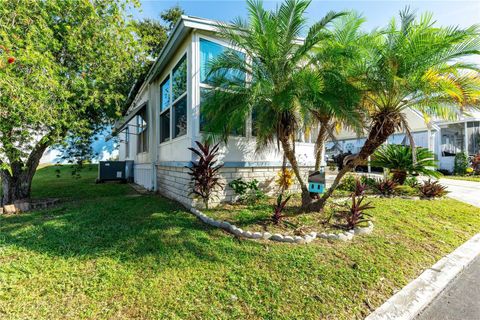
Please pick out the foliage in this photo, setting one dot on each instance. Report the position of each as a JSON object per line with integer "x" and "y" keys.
{"x": 412, "y": 182}
{"x": 153, "y": 33}
{"x": 74, "y": 63}
{"x": 204, "y": 172}
{"x": 276, "y": 85}
{"x": 386, "y": 186}
{"x": 406, "y": 190}
{"x": 248, "y": 192}
{"x": 412, "y": 63}
{"x": 360, "y": 187}
{"x": 285, "y": 178}
{"x": 399, "y": 160}
{"x": 279, "y": 207}
{"x": 348, "y": 183}
{"x": 354, "y": 214}
{"x": 432, "y": 189}
{"x": 460, "y": 163}
{"x": 476, "y": 163}
{"x": 368, "y": 181}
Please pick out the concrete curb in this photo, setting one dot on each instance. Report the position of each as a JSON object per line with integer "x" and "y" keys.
{"x": 418, "y": 294}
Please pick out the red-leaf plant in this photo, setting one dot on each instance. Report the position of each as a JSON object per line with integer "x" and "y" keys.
{"x": 278, "y": 208}
{"x": 204, "y": 172}
{"x": 354, "y": 214}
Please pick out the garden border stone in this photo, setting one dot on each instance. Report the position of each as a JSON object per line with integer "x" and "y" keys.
{"x": 233, "y": 229}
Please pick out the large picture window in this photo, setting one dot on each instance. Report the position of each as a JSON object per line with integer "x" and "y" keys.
{"x": 210, "y": 50}
{"x": 473, "y": 134}
{"x": 173, "y": 102}
{"x": 453, "y": 140}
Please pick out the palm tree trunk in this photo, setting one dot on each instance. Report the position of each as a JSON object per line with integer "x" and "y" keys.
{"x": 383, "y": 126}
{"x": 290, "y": 155}
{"x": 319, "y": 144}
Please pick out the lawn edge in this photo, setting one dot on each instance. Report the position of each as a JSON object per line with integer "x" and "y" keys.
{"x": 419, "y": 293}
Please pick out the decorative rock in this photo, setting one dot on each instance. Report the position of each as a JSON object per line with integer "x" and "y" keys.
{"x": 308, "y": 239}
{"x": 288, "y": 239}
{"x": 256, "y": 235}
{"x": 9, "y": 208}
{"x": 266, "y": 235}
{"x": 323, "y": 235}
{"x": 247, "y": 234}
{"x": 225, "y": 225}
{"x": 22, "y": 206}
{"x": 238, "y": 232}
{"x": 342, "y": 237}
{"x": 332, "y": 236}
{"x": 1, "y": 210}
{"x": 348, "y": 235}
{"x": 299, "y": 239}
{"x": 313, "y": 234}
{"x": 277, "y": 237}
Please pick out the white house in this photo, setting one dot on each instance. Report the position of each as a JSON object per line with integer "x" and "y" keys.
{"x": 164, "y": 119}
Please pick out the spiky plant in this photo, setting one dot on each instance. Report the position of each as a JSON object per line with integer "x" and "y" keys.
{"x": 204, "y": 172}
{"x": 354, "y": 213}
{"x": 386, "y": 187}
{"x": 432, "y": 189}
{"x": 279, "y": 207}
{"x": 273, "y": 82}
{"x": 399, "y": 160}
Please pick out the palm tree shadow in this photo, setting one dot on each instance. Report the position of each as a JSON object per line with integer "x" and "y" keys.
{"x": 127, "y": 228}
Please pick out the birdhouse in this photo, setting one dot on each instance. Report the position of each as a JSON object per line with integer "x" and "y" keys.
{"x": 316, "y": 181}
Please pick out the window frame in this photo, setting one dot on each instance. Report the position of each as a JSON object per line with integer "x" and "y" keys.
{"x": 202, "y": 85}
{"x": 142, "y": 136}
{"x": 172, "y": 102}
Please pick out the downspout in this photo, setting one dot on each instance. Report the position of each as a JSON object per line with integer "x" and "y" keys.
{"x": 153, "y": 134}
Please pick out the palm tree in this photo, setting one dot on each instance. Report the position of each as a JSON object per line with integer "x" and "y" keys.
{"x": 338, "y": 106}
{"x": 413, "y": 65}
{"x": 278, "y": 78}
{"x": 399, "y": 160}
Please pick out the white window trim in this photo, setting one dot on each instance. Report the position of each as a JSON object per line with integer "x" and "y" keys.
{"x": 172, "y": 103}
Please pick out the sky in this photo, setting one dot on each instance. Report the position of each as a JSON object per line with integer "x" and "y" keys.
{"x": 377, "y": 13}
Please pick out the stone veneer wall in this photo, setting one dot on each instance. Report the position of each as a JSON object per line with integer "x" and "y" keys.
{"x": 174, "y": 182}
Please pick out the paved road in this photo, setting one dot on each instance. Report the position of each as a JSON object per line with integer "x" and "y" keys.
{"x": 461, "y": 299}
{"x": 465, "y": 191}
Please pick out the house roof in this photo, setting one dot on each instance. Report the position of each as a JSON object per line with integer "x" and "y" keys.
{"x": 181, "y": 29}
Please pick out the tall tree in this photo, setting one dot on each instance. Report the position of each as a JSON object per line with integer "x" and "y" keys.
{"x": 413, "y": 64}
{"x": 273, "y": 79}
{"x": 73, "y": 63}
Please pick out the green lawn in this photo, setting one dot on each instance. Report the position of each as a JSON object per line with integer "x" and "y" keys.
{"x": 106, "y": 253}
{"x": 467, "y": 178}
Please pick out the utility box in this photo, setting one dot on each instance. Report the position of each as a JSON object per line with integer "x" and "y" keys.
{"x": 129, "y": 170}
{"x": 113, "y": 171}
{"x": 316, "y": 181}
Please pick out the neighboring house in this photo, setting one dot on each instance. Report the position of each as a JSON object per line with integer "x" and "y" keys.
{"x": 164, "y": 119}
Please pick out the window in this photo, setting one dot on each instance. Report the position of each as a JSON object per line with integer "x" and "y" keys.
{"x": 173, "y": 102}
{"x": 453, "y": 139}
{"x": 127, "y": 142}
{"x": 142, "y": 133}
{"x": 208, "y": 51}
{"x": 473, "y": 134}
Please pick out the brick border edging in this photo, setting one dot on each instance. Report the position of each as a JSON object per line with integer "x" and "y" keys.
{"x": 231, "y": 228}
{"x": 419, "y": 293}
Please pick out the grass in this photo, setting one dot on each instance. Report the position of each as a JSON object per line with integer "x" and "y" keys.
{"x": 107, "y": 253}
{"x": 466, "y": 178}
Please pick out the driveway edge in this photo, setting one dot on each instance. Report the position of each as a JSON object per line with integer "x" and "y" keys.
{"x": 417, "y": 295}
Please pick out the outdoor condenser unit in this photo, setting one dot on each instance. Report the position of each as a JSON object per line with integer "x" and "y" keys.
{"x": 115, "y": 171}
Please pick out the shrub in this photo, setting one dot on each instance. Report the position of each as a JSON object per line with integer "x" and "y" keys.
{"x": 247, "y": 191}
{"x": 399, "y": 160}
{"x": 406, "y": 190}
{"x": 432, "y": 189}
{"x": 386, "y": 187}
{"x": 354, "y": 214}
{"x": 369, "y": 182}
{"x": 204, "y": 172}
{"x": 285, "y": 179}
{"x": 412, "y": 182}
{"x": 476, "y": 163}
{"x": 348, "y": 183}
{"x": 279, "y": 207}
{"x": 460, "y": 164}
